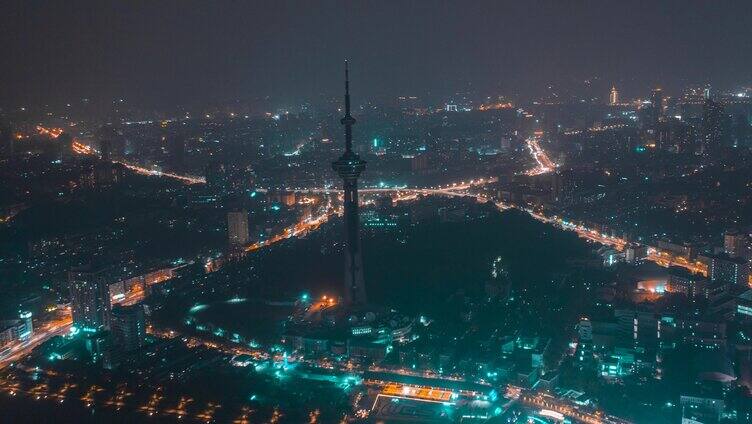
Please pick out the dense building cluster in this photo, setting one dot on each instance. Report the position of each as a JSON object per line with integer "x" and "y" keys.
{"x": 154, "y": 249}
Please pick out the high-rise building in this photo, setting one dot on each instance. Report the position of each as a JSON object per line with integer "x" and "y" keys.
{"x": 704, "y": 333}
{"x": 613, "y": 98}
{"x": 25, "y": 317}
{"x": 585, "y": 330}
{"x": 420, "y": 163}
{"x": 725, "y": 269}
{"x": 99, "y": 346}
{"x": 701, "y": 409}
{"x": 695, "y": 286}
{"x": 16, "y": 329}
{"x": 656, "y": 100}
{"x": 177, "y": 151}
{"x": 741, "y": 131}
{"x": 637, "y": 328}
{"x": 216, "y": 177}
{"x": 584, "y": 351}
{"x": 736, "y": 244}
{"x": 110, "y": 143}
{"x": 90, "y": 298}
{"x": 237, "y": 228}
{"x": 349, "y": 166}
{"x": 663, "y": 136}
{"x": 128, "y": 327}
{"x": 712, "y": 126}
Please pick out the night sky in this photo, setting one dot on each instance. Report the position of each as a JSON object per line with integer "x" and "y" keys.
{"x": 167, "y": 52}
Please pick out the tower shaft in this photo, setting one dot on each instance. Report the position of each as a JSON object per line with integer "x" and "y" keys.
{"x": 349, "y": 166}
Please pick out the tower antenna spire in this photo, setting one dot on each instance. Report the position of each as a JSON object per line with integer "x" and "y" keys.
{"x": 347, "y": 120}
{"x": 349, "y": 166}
{"x": 347, "y": 88}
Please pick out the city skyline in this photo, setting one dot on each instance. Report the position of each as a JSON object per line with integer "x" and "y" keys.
{"x": 543, "y": 214}
{"x": 497, "y": 48}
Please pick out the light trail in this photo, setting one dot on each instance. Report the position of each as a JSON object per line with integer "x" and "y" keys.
{"x": 661, "y": 258}
{"x": 454, "y": 189}
{"x": 47, "y": 330}
{"x": 545, "y": 165}
{"x": 85, "y": 149}
{"x": 460, "y": 190}
{"x": 188, "y": 179}
{"x": 666, "y": 259}
{"x": 296, "y": 230}
{"x": 314, "y": 223}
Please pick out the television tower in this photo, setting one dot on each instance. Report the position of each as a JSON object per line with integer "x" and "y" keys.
{"x": 349, "y": 166}
{"x": 613, "y": 98}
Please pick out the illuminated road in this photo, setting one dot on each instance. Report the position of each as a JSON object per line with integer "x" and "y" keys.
{"x": 545, "y": 165}
{"x": 463, "y": 188}
{"x": 454, "y": 189}
{"x": 313, "y": 223}
{"x": 62, "y": 325}
{"x": 666, "y": 259}
{"x": 188, "y": 179}
{"x": 661, "y": 258}
{"x": 298, "y": 229}
{"x": 448, "y": 190}
{"x": 84, "y": 149}
{"x": 582, "y": 231}
{"x": 556, "y": 408}
{"x": 46, "y": 331}
{"x": 132, "y": 297}
{"x": 43, "y": 331}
